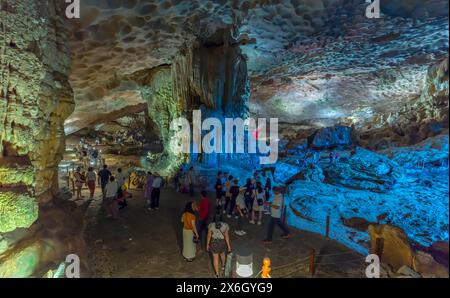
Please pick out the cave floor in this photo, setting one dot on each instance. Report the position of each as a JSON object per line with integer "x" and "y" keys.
{"x": 144, "y": 243}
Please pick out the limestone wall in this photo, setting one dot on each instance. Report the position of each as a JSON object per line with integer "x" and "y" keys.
{"x": 35, "y": 99}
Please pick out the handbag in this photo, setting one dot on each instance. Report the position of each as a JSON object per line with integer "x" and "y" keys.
{"x": 195, "y": 240}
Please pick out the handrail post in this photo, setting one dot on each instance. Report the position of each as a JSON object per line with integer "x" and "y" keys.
{"x": 327, "y": 228}
{"x": 312, "y": 265}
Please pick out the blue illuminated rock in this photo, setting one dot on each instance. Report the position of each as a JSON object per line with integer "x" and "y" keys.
{"x": 330, "y": 137}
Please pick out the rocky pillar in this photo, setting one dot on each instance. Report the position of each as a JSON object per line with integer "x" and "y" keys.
{"x": 35, "y": 99}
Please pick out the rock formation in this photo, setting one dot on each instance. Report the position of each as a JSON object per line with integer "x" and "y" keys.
{"x": 36, "y": 98}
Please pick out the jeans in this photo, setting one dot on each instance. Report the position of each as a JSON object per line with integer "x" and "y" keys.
{"x": 202, "y": 226}
{"x": 155, "y": 198}
{"x": 232, "y": 206}
{"x": 276, "y": 221}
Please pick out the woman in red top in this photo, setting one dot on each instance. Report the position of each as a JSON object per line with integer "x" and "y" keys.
{"x": 204, "y": 208}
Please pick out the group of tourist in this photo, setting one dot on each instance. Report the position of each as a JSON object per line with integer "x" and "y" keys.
{"x": 187, "y": 185}
{"x": 217, "y": 240}
{"x": 249, "y": 201}
{"x": 89, "y": 154}
{"x": 114, "y": 190}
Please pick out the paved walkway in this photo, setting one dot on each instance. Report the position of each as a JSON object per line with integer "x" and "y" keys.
{"x": 146, "y": 243}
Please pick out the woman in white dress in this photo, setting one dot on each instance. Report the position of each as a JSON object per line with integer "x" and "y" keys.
{"x": 190, "y": 234}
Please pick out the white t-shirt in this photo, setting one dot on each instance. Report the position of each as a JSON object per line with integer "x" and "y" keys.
{"x": 277, "y": 201}
{"x": 218, "y": 233}
{"x": 259, "y": 196}
{"x": 157, "y": 182}
{"x": 91, "y": 176}
{"x": 111, "y": 189}
{"x": 120, "y": 178}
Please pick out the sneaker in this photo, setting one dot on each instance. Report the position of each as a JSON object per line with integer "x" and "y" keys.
{"x": 259, "y": 223}
{"x": 236, "y": 217}
{"x": 252, "y": 222}
{"x": 151, "y": 209}
{"x": 243, "y": 233}
{"x": 228, "y": 216}
{"x": 157, "y": 208}
{"x": 224, "y": 212}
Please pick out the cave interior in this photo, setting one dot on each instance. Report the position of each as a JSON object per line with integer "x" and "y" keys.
{"x": 361, "y": 105}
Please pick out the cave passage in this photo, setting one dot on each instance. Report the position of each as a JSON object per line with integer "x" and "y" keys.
{"x": 91, "y": 108}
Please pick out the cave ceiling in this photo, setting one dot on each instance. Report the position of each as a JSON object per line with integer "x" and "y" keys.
{"x": 311, "y": 62}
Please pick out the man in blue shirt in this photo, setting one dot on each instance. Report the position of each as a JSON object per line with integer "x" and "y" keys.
{"x": 103, "y": 178}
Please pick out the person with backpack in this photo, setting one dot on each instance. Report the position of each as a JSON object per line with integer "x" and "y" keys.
{"x": 218, "y": 243}
{"x": 258, "y": 204}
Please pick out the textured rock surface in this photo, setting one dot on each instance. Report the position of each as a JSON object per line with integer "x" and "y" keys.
{"x": 396, "y": 249}
{"x": 364, "y": 170}
{"x": 397, "y": 252}
{"x": 422, "y": 117}
{"x": 312, "y": 62}
{"x": 330, "y": 137}
{"x": 372, "y": 187}
{"x": 36, "y": 98}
